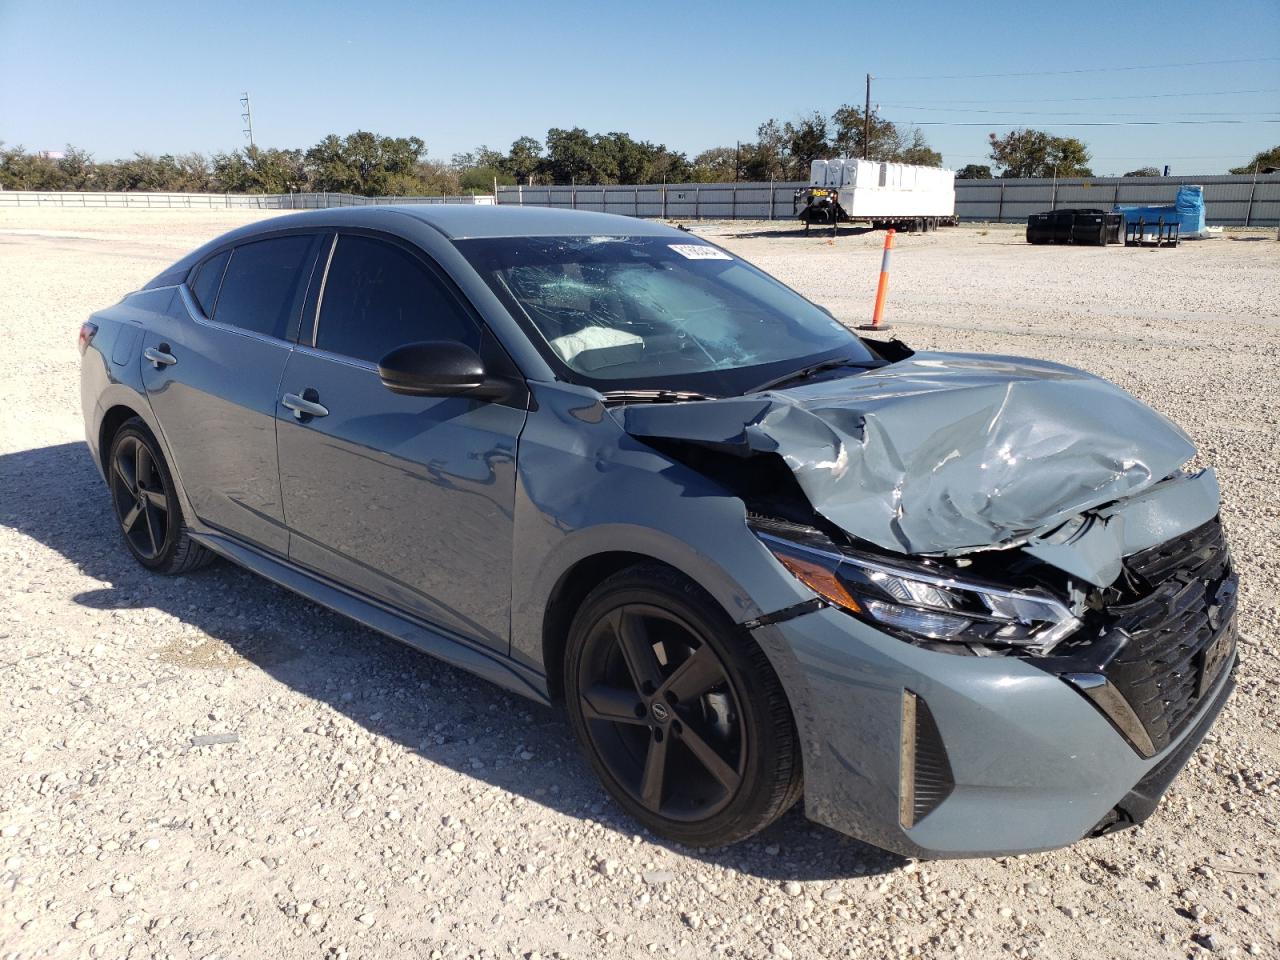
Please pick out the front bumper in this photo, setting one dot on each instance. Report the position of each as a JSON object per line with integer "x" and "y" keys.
{"x": 1033, "y": 764}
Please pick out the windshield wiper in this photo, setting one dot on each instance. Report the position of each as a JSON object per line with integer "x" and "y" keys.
{"x": 652, "y": 396}
{"x": 804, "y": 373}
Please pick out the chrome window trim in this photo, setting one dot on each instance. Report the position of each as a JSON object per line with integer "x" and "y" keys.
{"x": 342, "y": 358}
{"x": 324, "y": 279}
{"x": 197, "y": 316}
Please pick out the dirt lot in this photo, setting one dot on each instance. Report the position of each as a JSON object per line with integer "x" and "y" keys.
{"x": 373, "y": 803}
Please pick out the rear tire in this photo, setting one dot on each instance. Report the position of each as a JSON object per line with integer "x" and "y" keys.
{"x": 145, "y": 503}
{"x": 678, "y": 710}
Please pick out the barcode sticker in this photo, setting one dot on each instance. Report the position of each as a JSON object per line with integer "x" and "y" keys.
{"x": 699, "y": 251}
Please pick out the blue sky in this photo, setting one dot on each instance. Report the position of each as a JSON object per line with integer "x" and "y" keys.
{"x": 166, "y": 77}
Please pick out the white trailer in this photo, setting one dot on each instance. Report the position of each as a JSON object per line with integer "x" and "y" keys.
{"x": 899, "y": 195}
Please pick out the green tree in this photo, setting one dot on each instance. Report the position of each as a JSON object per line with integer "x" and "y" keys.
{"x": 255, "y": 170}
{"x": 668, "y": 166}
{"x": 631, "y": 160}
{"x": 1144, "y": 172}
{"x": 573, "y": 157}
{"x": 766, "y": 159}
{"x": 717, "y": 165}
{"x": 974, "y": 171}
{"x": 479, "y": 180}
{"x": 432, "y": 178}
{"x": 1262, "y": 162}
{"x": 806, "y": 141}
{"x": 20, "y": 170}
{"x": 884, "y": 141}
{"x": 915, "y": 150}
{"x": 1034, "y": 153}
{"x": 524, "y": 160}
{"x": 77, "y": 168}
{"x": 481, "y": 156}
{"x": 364, "y": 163}
{"x": 188, "y": 172}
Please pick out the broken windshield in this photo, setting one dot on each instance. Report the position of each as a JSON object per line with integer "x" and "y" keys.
{"x": 647, "y": 311}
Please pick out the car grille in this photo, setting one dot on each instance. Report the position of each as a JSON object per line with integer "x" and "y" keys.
{"x": 1185, "y": 592}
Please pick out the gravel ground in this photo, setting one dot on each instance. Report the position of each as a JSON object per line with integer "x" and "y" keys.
{"x": 211, "y": 767}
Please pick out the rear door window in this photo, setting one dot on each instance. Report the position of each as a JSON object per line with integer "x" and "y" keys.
{"x": 207, "y": 279}
{"x": 264, "y": 284}
{"x": 379, "y": 296}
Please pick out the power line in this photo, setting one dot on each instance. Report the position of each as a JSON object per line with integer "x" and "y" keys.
{"x": 1081, "y": 113}
{"x": 1128, "y": 96}
{"x": 1140, "y": 156}
{"x": 1085, "y": 123}
{"x": 1059, "y": 73}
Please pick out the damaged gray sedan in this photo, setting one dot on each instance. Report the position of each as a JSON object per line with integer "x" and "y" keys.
{"x": 960, "y": 604}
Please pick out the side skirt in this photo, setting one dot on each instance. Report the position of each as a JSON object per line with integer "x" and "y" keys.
{"x": 417, "y": 634}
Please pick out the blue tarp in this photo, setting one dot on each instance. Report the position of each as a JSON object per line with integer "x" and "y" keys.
{"x": 1187, "y": 210}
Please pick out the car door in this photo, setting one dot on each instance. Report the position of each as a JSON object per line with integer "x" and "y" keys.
{"x": 212, "y": 381}
{"x": 407, "y": 499}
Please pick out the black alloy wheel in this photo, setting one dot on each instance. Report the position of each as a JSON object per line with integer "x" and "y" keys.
{"x": 146, "y": 503}
{"x": 142, "y": 502}
{"x": 662, "y": 713}
{"x": 684, "y": 720}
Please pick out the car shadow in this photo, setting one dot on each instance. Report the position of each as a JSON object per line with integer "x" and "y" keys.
{"x": 798, "y": 233}
{"x": 55, "y": 496}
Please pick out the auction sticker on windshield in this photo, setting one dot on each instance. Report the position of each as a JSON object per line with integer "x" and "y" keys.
{"x": 698, "y": 251}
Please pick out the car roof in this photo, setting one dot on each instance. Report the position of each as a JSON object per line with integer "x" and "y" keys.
{"x": 459, "y": 221}
{"x": 456, "y": 221}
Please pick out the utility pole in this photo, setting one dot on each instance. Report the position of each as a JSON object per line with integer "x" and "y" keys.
{"x": 247, "y": 117}
{"x": 866, "y": 121}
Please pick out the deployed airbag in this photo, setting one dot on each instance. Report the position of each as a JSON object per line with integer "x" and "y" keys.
{"x": 942, "y": 453}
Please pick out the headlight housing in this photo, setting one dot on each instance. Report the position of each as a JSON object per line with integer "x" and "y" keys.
{"x": 925, "y": 605}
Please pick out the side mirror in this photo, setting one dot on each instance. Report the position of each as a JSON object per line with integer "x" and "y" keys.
{"x": 438, "y": 368}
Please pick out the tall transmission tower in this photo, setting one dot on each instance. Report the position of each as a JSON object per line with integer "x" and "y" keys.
{"x": 247, "y": 117}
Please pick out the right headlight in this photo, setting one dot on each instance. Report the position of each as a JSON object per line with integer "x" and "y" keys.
{"x": 921, "y": 604}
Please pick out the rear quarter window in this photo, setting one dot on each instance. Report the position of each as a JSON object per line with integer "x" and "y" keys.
{"x": 264, "y": 283}
{"x": 206, "y": 280}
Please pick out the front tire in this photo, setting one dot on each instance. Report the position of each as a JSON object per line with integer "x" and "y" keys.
{"x": 145, "y": 503}
{"x": 679, "y": 711}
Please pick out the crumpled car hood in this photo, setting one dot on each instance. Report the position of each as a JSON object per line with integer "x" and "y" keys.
{"x": 942, "y": 453}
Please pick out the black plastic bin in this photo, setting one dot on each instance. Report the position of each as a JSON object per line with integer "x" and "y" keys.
{"x": 1080, "y": 226}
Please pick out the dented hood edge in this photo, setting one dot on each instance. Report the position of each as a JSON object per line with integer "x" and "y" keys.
{"x": 946, "y": 454}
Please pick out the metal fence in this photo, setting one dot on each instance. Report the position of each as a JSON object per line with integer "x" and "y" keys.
{"x": 242, "y": 201}
{"x": 1229, "y": 200}
{"x": 685, "y": 201}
